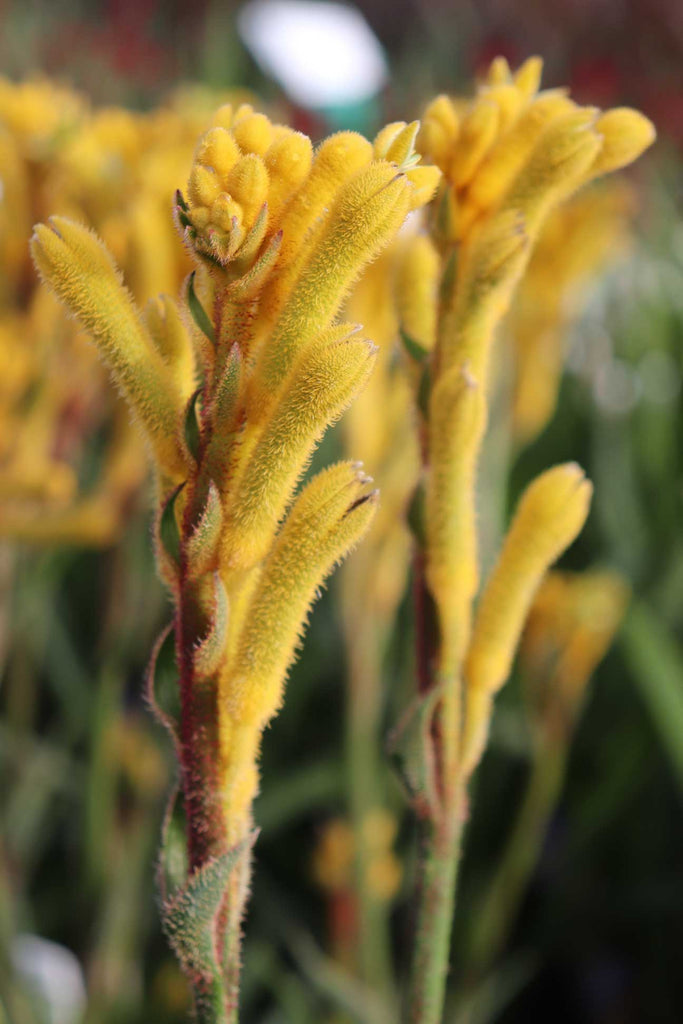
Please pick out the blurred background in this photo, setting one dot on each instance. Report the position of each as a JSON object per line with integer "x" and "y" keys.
{"x": 597, "y": 929}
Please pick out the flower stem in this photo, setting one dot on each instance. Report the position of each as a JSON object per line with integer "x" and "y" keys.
{"x": 436, "y": 900}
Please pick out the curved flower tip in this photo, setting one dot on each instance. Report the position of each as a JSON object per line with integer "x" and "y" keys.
{"x": 395, "y": 144}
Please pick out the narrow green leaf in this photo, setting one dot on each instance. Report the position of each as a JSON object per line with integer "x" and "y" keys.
{"x": 189, "y": 918}
{"x": 410, "y": 749}
{"x": 414, "y": 349}
{"x": 162, "y": 683}
{"x": 656, "y": 661}
{"x": 192, "y": 432}
{"x": 197, "y": 311}
{"x": 169, "y": 534}
{"x": 173, "y": 861}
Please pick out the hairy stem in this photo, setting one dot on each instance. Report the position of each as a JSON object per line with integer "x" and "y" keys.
{"x": 440, "y": 856}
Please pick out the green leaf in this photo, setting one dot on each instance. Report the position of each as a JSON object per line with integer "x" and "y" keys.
{"x": 197, "y": 311}
{"x": 189, "y": 917}
{"x": 416, "y": 515}
{"x": 169, "y": 534}
{"x": 656, "y": 661}
{"x": 414, "y": 349}
{"x": 193, "y": 435}
{"x": 173, "y": 861}
{"x": 162, "y": 684}
{"x": 411, "y": 750}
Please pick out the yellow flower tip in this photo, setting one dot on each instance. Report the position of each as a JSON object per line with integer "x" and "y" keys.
{"x": 225, "y": 212}
{"x": 626, "y": 134}
{"x": 224, "y": 116}
{"x": 478, "y": 132}
{"x": 425, "y": 182}
{"x": 218, "y": 150}
{"x": 247, "y": 183}
{"x": 509, "y": 101}
{"x": 61, "y": 247}
{"x": 253, "y": 133}
{"x": 528, "y": 78}
{"x": 498, "y": 72}
{"x": 441, "y": 111}
{"x": 204, "y": 185}
{"x": 342, "y": 152}
{"x": 396, "y": 143}
{"x": 288, "y": 161}
{"x": 550, "y": 514}
{"x": 556, "y": 505}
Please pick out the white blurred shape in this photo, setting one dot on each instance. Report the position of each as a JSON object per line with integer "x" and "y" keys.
{"x": 52, "y": 972}
{"x": 322, "y": 54}
{"x": 660, "y": 377}
{"x": 616, "y": 388}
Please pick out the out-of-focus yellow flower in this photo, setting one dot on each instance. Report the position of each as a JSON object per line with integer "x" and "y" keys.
{"x": 577, "y": 243}
{"x": 571, "y": 625}
{"x": 334, "y": 855}
{"x": 117, "y": 171}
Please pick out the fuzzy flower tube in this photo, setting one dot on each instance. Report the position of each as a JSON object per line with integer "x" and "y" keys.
{"x": 510, "y": 157}
{"x": 232, "y": 389}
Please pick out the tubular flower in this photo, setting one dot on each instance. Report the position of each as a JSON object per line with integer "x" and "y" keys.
{"x": 279, "y": 234}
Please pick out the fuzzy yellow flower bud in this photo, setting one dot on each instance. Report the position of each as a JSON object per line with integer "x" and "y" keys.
{"x": 321, "y": 387}
{"x": 562, "y": 155}
{"x": 167, "y": 330}
{"x": 76, "y": 265}
{"x": 477, "y": 134}
{"x": 438, "y": 131}
{"x": 509, "y": 153}
{"x": 247, "y": 183}
{"x": 457, "y": 423}
{"x": 368, "y": 212}
{"x": 204, "y": 185}
{"x": 218, "y": 150}
{"x": 328, "y": 519}
{"x": 288, "y": 162}
{"x": 626, "y": 134}
{"x": 498, "y": 72}
{"x": 509, "y": 102}
{"x": 253, "y": 133}
{"x": 425, "y": 181}
{"x": 416, "y": 289}
{"x": 550, "y": 515}
{"x": 528, "y": 77}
